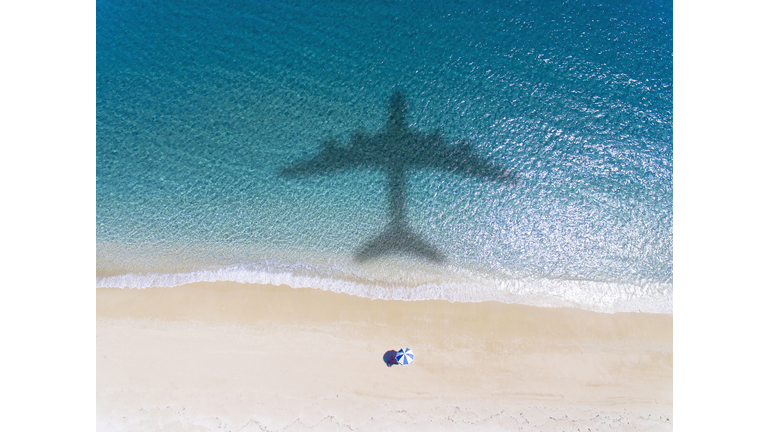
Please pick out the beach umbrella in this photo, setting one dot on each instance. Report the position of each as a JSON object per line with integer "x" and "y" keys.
{"x": 404, "y": 356}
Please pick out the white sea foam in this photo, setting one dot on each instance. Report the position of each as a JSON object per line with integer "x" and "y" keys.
{"x": 607, "y": 297}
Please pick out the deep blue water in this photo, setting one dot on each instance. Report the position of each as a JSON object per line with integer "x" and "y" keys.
{"x": 201, "y": 106}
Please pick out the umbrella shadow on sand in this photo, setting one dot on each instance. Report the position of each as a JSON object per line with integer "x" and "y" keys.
{"x": 390, "y": 358}
{"x": 395, "y": 150}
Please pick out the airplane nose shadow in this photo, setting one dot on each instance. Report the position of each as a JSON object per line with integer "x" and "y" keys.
{"x": 395, "y": 150}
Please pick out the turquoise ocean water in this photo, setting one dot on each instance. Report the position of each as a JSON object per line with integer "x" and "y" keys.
{"x": 204, "y": 108}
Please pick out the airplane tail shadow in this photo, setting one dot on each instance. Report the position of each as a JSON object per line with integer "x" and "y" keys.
{"x": 398, "y": 238}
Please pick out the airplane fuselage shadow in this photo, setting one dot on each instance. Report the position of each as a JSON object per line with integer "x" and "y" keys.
{"x": 395, "y": 150}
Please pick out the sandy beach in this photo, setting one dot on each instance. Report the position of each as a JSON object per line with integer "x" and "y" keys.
{"x": 237, "y": 357}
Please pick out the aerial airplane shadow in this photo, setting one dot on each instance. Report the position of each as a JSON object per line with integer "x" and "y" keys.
{"x": 396, "y": 149}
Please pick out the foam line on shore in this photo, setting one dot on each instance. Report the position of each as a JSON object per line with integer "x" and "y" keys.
{"x": 595, "y": 296}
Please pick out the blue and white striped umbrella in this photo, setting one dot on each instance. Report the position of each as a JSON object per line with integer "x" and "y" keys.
{"x": 404, "y": 356}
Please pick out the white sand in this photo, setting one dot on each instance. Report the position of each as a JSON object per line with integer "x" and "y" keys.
{"x": 226, "y": 356}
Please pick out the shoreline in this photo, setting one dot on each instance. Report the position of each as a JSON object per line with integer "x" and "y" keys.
{"x": 169, "y": 356}
{"x": 590, "y": 295}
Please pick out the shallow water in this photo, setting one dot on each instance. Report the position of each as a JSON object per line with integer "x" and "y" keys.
{"x": 203, "y": 109}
